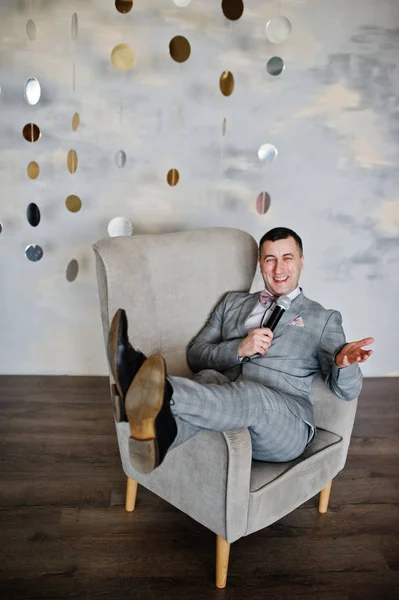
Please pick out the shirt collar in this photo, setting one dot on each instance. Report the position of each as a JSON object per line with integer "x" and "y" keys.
{"x": 292, "y": 295}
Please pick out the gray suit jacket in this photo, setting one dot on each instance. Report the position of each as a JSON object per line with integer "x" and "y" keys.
{"x": 299, "y": 353}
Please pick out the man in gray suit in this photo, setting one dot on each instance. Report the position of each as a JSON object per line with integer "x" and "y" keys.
{"x": 245, "y": 375}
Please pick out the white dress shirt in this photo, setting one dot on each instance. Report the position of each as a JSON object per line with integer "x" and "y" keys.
{"x": 260, "y": 315}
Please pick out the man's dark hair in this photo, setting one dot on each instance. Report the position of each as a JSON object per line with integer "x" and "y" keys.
{"x": 281, "y": 233}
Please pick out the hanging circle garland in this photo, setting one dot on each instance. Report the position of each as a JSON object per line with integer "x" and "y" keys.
{"x": 267, "y": 153}
{"x": 31, "y": 132}
{"x": 73, "y": 203}
{"x": 33, "y": 169}
{"x": 74, "y": 27}
{"x": 120, "y": 159}
{"x": 123, "y": 6}
{"x": 32, "y": 91}
{"x": 275, "y": 66}
{"x": 226, "y": 83}
{"x": 75, "y": 122}
{"x": 31, "y": 30}
{"x": 120, "y": 226}
{"x": 182, "y": 3}
{"x": 232, "y": 9}
{"x": 278, "y": 30}
{"x": 263, "y": 203}
{"x": 173, "y": 177}
{"x": 33, "y": 214}
{"x": 72, "y": 270}
{"x": 33, "y": 252}
{"x": 179, "y": 48}
{"x": 123, "y": 57}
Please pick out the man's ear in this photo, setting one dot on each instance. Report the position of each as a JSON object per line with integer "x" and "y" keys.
{"x": 302, "y": 260}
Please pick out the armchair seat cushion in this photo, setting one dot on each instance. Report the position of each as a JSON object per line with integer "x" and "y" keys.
{"x": 264, "y": 473}
{"x": 279, "y": 488}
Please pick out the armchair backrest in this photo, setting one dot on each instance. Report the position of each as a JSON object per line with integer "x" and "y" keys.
{"x": 169, "y": 282}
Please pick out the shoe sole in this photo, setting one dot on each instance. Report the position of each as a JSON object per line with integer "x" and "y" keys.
{"x": 143, "y": 403}
{"x": 112, "y": 348}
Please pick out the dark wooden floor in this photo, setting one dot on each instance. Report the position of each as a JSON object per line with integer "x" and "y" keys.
{"x": 64, "y": 532}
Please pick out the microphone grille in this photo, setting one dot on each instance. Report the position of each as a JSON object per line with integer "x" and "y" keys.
{"x": 284, "y": 302}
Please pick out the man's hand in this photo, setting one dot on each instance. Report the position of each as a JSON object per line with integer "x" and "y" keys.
{"x": 257, "y": 342}
{"x": 353, "y": 353}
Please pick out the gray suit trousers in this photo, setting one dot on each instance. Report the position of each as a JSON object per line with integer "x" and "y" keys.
{"x": 211, "y": 401}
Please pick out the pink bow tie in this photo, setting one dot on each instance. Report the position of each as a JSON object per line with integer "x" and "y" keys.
{"x": 265, "y": 298}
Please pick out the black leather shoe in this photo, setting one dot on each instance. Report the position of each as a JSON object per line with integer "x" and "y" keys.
{"x": 124, "y": 361}
{"x": 152, "y": 425}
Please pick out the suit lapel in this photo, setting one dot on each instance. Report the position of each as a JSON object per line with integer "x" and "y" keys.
{"x": 247, "y": 307}
{"x": 297, "y": 307}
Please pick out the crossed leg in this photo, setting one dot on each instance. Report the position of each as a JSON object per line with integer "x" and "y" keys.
{"x": 211, "y": 401}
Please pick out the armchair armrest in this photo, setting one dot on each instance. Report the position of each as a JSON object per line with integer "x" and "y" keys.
{"x": 334, "y": 414}
{"x": 207, "y": 478}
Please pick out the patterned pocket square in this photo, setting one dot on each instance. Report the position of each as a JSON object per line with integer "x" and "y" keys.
{"x": 298, "y": 322}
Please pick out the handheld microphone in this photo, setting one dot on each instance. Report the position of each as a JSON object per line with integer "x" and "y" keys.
{"x": 282, "y": 304}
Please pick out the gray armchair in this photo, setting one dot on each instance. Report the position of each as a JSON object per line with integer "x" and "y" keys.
{"x": 168, "y": 284}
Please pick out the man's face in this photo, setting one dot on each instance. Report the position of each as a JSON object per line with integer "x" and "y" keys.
{"x": 280, "y": 265}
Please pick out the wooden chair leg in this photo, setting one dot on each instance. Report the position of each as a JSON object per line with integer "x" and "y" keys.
{"x": 324, "y": 498}
{"x": 222, "y": 561}
{"x": 131, "y": 493}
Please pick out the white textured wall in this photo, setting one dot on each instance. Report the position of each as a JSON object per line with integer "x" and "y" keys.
{"x": 333, "y": 115}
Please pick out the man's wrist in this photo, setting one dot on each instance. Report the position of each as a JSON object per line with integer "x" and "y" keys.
{"x": 336, "y": 354}
{"x": 336, "y": 363}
